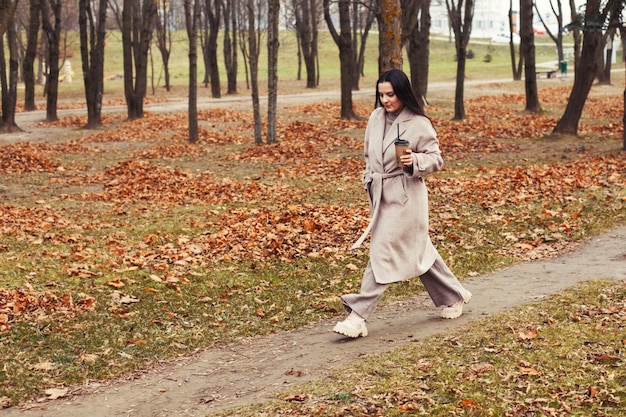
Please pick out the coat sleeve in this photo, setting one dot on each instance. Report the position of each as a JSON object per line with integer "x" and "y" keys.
{"x": 425, "y": 146}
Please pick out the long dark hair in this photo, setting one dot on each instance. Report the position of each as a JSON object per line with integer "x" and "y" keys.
{"x": 402, "y": 87}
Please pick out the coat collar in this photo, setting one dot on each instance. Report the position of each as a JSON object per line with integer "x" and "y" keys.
{"x": 398, "y": 127}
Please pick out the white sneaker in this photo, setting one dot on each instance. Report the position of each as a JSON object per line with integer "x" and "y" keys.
{"x": 456, "y": 309}
{"x": 353, "y": 326}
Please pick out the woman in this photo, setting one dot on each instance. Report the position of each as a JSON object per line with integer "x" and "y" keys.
{"x": 400, "y": 246}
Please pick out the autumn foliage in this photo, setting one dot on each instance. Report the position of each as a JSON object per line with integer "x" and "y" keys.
{"x": 272, "y": 219}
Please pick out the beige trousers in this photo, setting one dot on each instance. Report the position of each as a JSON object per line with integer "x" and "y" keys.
{"x": 440, "y": 283}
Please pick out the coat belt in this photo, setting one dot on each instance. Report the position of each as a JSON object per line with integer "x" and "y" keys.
{"x": 376, "y": 194}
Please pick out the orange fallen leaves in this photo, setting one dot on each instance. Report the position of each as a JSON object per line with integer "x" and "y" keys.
{"x": 18, "y": 305}
{"x": 528, "y": 334}
{"x": 271, "y": 220}
{"x": 19, "y": 158}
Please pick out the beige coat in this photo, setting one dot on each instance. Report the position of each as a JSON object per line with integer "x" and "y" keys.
{"x": 400, "y": 245}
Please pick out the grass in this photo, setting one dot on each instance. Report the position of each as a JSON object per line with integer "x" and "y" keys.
{"x": 560, "y": 356}
{"x": 442, "y": 65}
{"x": 122, "y": 260}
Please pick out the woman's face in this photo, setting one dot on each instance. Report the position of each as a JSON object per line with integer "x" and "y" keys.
{"x": 388, "y": 97}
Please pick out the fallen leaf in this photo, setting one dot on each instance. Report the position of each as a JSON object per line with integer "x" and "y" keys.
{"x": 528, "y": 334}
{"x": 44, "y": 366}
{"x": 56, "y": 393}
{"x": 296, "y": 397}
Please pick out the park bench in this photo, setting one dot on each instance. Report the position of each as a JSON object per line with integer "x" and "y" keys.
{"x": 548, "y": 73}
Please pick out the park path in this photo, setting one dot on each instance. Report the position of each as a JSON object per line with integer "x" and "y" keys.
{"x": 254, "y": 369}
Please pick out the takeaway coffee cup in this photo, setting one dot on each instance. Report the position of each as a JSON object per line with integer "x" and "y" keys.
{"x": 401, "y": 146}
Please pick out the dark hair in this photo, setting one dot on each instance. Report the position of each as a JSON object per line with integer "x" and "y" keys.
{"x": 402, "y": 88}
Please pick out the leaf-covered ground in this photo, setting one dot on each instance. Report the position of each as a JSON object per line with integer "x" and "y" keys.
{"x": 129, "y": 245}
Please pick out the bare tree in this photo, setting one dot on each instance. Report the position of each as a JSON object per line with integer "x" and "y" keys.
{"x": 231, "y": 30}
{"x": 212, "y": 21}
{"x": 343, "y": 39}
{"x": 51, "y": 10}
{"x": 605, "y": 60}
{"x": 527, "y": 36}
{"x": 595, "y": 19}
{"x": 8, "y": 83}
{"x": 363, "y": 15}
{"x": 30, "y": 54}
{"x": 415, "y": 34}
{"x": 243, "y": 42}
{"x": 91, "y": 21}
{"x": 253, "y": 62}
{"x": 516, "y": 67}
{"x": 390, "y": 30}
{"x": 461, "y": 15}
{"x": 192, "y": 20}
{"x": 306, "y": 21}
{"x": 622, "y": 31}
{"x": 574, "y": 27}
{"x": 163, "y": 33}
{"x": 137, "y": 23}
{"x": 557, "y": 11}
{"x": 272, "y": 68}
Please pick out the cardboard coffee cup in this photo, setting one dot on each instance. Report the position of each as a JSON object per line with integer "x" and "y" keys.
{"x": 401, "y": 146}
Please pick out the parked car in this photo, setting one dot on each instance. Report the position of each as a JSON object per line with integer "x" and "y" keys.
{"x": 505, "y": 37}
{"x": 539, "y": 30}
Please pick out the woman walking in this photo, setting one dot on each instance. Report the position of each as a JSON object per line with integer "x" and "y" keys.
{"x": 400, "y": 247}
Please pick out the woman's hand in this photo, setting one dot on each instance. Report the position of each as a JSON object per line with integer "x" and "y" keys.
{"x": 407, "y": 158}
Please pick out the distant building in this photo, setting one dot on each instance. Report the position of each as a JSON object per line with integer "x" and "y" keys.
{"x": 491, "y": 17}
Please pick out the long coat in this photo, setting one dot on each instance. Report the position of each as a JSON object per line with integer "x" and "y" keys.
{"x": 400, "y": 247}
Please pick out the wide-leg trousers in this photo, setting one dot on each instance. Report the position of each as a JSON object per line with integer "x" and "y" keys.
{"x": 442, "y": 286}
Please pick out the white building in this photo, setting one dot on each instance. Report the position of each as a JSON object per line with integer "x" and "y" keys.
{"x": 492, "y": 16}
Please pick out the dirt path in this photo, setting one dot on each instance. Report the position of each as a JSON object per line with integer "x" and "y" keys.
{"x": 34, "y": 131}
{"x": 254, "y": 369}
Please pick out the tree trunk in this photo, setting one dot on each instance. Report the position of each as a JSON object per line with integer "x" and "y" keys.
{"x": 230, "y": 45}
{"x": 243, "y": 45}
{"x": 92, "y": 37}
{"x": 214, "y": 18}
{"x": 30, "y": 54}
{"x": 137, "y": 24}
{"x": 461, "y": 16}
{"x": 306, "y": 31}
{"x": 516, "y": 67}
{"x": 254, "y": 71}
{"x": 360, "y": 27}
{"x": 576, "y": 32}
{"x": 608, "y": 61}
{"x": 346, "y": 54}
{"x": 192, "y": 21}
{"x": 585, "y": 72}
{"x": 164, "y": 39}
{"x": 360, "y": 58}
{"x": 52, "y": 9}
{"x": 272, "y": 68}
{"x": 558, "y": 36}
{"x": 600, "y": 74}
{"x": 390, "y": 35}
{"x": 622, "y": 34}
{"x": 9, "y": 86}
{"x": 528, "y": 52}
{"x": 417, "y": 29}
{"x": 459, "y": 100}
